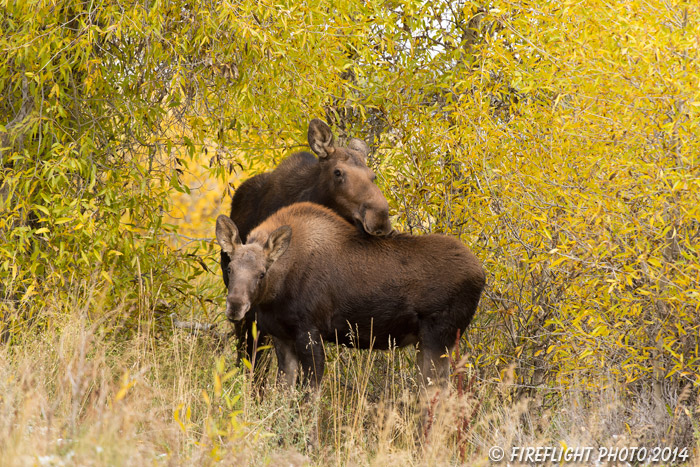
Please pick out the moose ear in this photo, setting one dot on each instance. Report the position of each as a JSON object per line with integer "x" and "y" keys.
{"x": 320, "y": 138}
{"x": 227, "y": 234}
{"x": 277, "y": 244}
{"x": 360, "y": 146}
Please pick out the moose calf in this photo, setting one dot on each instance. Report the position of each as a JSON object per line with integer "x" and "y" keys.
{"x": 315, "y": 278}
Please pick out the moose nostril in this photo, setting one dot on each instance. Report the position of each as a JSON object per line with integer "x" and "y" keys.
{"x": 385, "y": 230}
{"x": 236, "y": 309}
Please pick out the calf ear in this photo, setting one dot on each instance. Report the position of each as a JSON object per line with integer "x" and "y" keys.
{"x": 277, "y": 244}
{"x": 320, "y": 138}
{"x": 227, "y": 234}
{"x": 360, "y": 146}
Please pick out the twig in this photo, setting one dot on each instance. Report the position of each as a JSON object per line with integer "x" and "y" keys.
{"x": 196, "y": 328}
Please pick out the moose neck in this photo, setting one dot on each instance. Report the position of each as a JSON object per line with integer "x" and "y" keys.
{"x": 317, "y": 190}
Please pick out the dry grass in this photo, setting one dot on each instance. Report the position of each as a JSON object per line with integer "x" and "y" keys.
{"x": 77, "y": 395}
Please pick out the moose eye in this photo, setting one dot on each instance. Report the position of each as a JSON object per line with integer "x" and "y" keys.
{"x": 337, "y": 173}
{"x": 262, "y": 274}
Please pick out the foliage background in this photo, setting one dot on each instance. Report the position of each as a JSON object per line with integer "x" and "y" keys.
{"x": 559, "y": 141}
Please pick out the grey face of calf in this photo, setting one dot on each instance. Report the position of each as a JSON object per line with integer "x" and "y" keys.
{"x": 348, "y": 181}
{"x": 249, "y": 265}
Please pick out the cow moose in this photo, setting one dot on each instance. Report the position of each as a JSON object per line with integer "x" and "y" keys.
{"x": 339, "y": 179}
{"x": 315, "y": 279}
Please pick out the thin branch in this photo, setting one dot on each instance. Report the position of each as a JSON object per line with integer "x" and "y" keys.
{"x": 201, "y": 328}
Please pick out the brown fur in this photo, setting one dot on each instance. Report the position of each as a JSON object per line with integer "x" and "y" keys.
{"x": 339, "y": 179}
{"x": 331, "y": 283}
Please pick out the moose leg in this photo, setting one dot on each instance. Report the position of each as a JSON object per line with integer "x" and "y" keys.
{"x": 244, "y": 334}
{"x": 309, "y": 347}
{"x": 288, "y": 366}
{"x": 434, "y": 367}
{"x": 287, "y": 362}
{"x": 241, "y": 333}
{"x": 435, "y": 372}
{"x": 248, "y": 342}
{"x": 249, "y": 345}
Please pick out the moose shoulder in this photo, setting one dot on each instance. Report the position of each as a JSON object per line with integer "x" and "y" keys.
{"x": 315, "y": 278}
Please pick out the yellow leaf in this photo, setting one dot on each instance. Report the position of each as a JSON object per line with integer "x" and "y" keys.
{"x": 28, "y": 293}
{"x": 106, "y": 277}
{"x": 217, "y": 384}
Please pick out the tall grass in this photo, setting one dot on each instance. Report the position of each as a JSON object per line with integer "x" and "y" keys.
{"x": 78, "y": 392}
